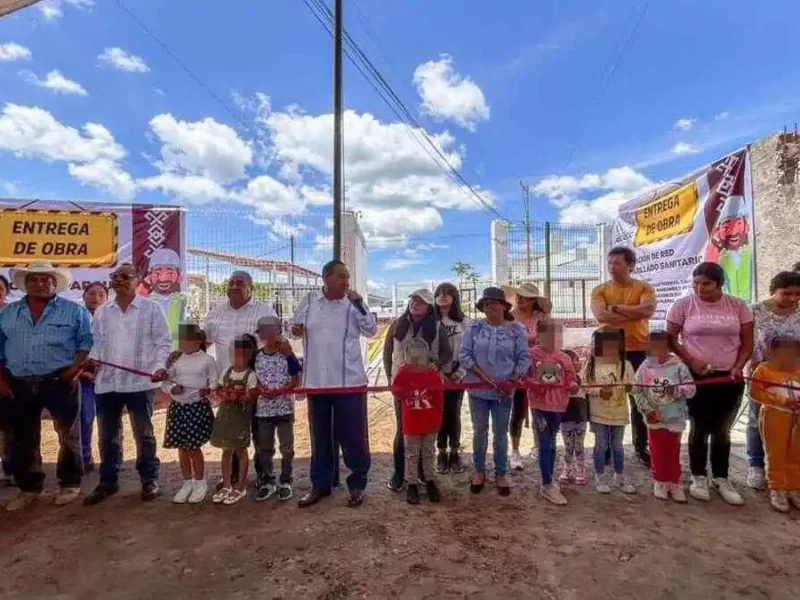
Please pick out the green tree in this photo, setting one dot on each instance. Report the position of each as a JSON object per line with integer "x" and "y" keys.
{"x": 461, "y": 270}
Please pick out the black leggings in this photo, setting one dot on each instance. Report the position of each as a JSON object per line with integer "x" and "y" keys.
{"x": 450, "y": 433}
{"x": 712, "y": 413}
{"x": 519, "y": 413}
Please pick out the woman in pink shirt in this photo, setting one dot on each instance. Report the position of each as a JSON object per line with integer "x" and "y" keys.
{"x": 713, "y": 334}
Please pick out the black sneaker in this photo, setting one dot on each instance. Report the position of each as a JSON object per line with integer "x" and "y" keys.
{"x": 395, "y": 484}
{"x": 455, "y": 462}
{"x": 412, "y": 493}
{"x": 265, "y": 492}
{"x": 284, "y": 492}
{"x": 434, "y": 495}
{"x": 100, "y": 493}
{"x": 150, "y": 491}
{"x": 644, "y": 457}
{"x": 442, "y": 462}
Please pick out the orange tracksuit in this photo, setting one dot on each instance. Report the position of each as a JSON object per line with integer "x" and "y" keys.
{"x": 779, "y": 426}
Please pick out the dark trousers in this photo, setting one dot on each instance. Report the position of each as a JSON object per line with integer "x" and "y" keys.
{"x": 712, "y": 413}
{"x": 343, "y": 416}
{"x": 638, "y": 425}
{"x": 22, "y": 415}
{"x": 519, "y": 413}
{"x": 450, "y": 432}
{"x": 88, "y": 411}
{"x": 109, "y": 421}
{"x": 266, "y": 429}
{"x": 5, "y": 449}
{"x": 399, "y": 448}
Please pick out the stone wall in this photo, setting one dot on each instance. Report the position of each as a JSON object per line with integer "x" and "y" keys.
{"x": 776, "y": 193}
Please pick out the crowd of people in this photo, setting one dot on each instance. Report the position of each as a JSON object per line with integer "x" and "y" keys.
{"x": 109, "y": 356}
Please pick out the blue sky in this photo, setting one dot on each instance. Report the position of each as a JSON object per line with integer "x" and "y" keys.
{"x": 587, "y": 102}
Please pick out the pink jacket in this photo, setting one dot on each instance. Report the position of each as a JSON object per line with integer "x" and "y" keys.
{"x": 553, "y": 368}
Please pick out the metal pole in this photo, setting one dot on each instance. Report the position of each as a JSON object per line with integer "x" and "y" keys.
{"x": 526, "y": 203}
{"x": 291, "y": 269}
{"x": 547, "y": 260}
{"x": 583, "y": 300}
{"x": 338, "y": 18}
{"x": 207, "y": 287}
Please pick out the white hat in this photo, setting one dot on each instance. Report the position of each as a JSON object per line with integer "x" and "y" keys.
{"x": 164, "y": 257}
{"x": 423, "y": 294}
{"x": 63, "y": 277}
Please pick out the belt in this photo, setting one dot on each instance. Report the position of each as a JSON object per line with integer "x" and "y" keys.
{"x": 38, "y": 379}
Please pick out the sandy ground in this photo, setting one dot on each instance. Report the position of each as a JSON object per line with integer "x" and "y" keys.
{"x": 467, "y": 547}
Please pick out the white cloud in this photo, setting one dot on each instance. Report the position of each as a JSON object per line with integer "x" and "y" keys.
{"x": 10, "y": 188}
{"x": 376, "y": 285}
{"x": 446, "y": 94}
{"x": 684, "y": 148}
{"x": 106, "y": 175}
{"x": 323, "y": 242}
{"x": 11, "y": 51}
{"x": 614, "y": 187}
{"x": 55, "y": 82}
{"x": 721, "y": 116}
{"x": 51, "y": 9}
{"x": 684, "y": 124}
{"x": 34, "y": 132}
{"x": 203, "y": 148}
{"x": 397, "y": 263}
{"x": 193, "y": 188}
{"x": 270, "y": 197}
{"x": 397, "y": 222}
{"x": 124, "y": 61}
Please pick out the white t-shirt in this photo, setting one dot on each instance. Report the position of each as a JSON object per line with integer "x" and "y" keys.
{"x": 195, "y": 372}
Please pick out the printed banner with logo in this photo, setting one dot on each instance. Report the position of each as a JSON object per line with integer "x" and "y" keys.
{"x": 706, "y": 216}
{"x": 91, "y": 239}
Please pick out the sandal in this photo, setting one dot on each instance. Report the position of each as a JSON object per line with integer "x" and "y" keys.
{"x": 234, "y": 497}
{"x": 221, "y": 495}
{"x": 477, "y": 488}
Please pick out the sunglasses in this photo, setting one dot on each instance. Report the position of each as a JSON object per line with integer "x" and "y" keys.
{"x": 122, "y": 275}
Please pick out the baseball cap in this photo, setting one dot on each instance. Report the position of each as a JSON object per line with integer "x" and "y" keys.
{"x": 268, "y": 322}
{"x": 423, "y": 294}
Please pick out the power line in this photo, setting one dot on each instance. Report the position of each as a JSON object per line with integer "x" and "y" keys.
{"x": 375, "y": 79}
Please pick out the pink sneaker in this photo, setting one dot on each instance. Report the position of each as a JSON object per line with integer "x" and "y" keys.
{"x": 567, "y": 474}
{"x": 581, "y": 477}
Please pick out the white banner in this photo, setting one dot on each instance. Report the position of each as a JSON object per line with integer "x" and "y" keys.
{"x": 706, "y": 216}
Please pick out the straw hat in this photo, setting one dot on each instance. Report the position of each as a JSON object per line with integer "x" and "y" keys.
{"x": 63, "y": 277}
{"x": 529, "y": 290}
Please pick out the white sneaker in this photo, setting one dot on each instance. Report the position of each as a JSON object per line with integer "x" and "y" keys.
{"x": 516, "y": 461}
{"x": 199, "y": 491}
{"x": 779, "y": 501}
{"x": 676, "y": 493}
{"x": 534, "y": 453}
{"x": 552, "y": 493}
{"x": 661, "y": 490}
{"x": 623, "y": 485}
{"x": 22, "y": 500}
{"x": 66, "y": 495}
{"x": 601, "y": 484}
{"x": 183, "y": 494}
{"x": 699, "y": 489}
{"x": 755, "y": 478}
{"x": 730, "y": 495}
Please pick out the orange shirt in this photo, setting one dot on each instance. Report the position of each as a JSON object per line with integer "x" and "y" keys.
{"x": 637, "y": 333}
{"x": 767, "y": 386}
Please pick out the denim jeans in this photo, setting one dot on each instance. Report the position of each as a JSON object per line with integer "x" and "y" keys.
{"x": 546, "y": 425}
{"x": 88, "y": 411}
{"x": 608, "y": 437}
{"x": 109, "y": 421}
{"x": 500, "y": 412}
{"x": 755, "y": 446}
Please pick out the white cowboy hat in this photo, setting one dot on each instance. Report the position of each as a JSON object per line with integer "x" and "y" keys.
{"x": 63, "y": 277}
{"x": 529, "y": 290}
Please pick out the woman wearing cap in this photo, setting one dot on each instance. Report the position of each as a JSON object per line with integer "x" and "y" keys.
{"x": 530, "y": 307}
{"x": 448, "y": 311}
{"x": 494, "y": 352}
{"x": 417, "y": 322}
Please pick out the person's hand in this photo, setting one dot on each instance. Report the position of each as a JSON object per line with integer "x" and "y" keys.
{"x": 670, "y": 391}
{"x": 72, "y": 373}
{"x": 5, "y": 388}
{"x": 698, "y": 367}
{"x": 736, "y": 373}
{"x": 176, "y": 390}
{"x": 652, "y": 416}
{"x": 284, "y": 347}
{"x": 159, "y": 376}
{"x": 606, "y": 392}
{"x": 298, "y": 329}
{"x": 354, "y": 296}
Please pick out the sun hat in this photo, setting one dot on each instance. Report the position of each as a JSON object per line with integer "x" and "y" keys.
{"x": 492, "y": 293}
{"x": 423, "y": 294}
{"x": 529, "y": 290}
{"x": 63, "y": 277}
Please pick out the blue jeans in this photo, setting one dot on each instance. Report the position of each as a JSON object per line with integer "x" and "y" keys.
{"x": 608, "y": 437}
{"x": 109, "y": 422}
{"x": 87, "y": 420}
{"x": 500, "y": 411}
{"x": 546, "y": 426}
{"x": 755, "y": 446}
{"x": 343, "y": 416}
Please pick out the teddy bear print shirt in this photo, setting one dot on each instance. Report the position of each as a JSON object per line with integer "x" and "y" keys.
{"x": 555, "y": 371}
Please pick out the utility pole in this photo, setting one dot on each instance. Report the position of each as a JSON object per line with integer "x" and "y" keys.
{"x": 291, "y": 268}
{"x": 338, "y": 19}
{"x": 526, "y": 203}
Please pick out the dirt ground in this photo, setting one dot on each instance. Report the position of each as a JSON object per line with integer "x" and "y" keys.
{"x": 467, "y": 547}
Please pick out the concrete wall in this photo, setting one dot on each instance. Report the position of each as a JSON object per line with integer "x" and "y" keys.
{"x": 776, "y": 193}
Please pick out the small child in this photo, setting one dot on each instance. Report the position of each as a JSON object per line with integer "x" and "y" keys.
{"x": 419, "y": 389}
{"x": 664, "y": 384}
{"x": 608, "y": 404}
{"x": 552, "y": 368}
{"x": 573, "y": 430}
{"x": 274, "y": 413}
{"x": 232, "y": 427}
{"x": 190, "y": 418}
{"x": 776, "y": 386}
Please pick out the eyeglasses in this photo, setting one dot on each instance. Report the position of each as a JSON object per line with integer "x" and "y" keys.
{"x": 122, "y": 275}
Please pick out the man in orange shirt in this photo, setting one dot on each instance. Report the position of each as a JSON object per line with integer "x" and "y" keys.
{"x": 627, "y": 303}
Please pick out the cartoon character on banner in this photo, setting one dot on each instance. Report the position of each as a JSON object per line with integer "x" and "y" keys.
{"x": 730, "y": 247}
{"x": 163, "y": 285}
